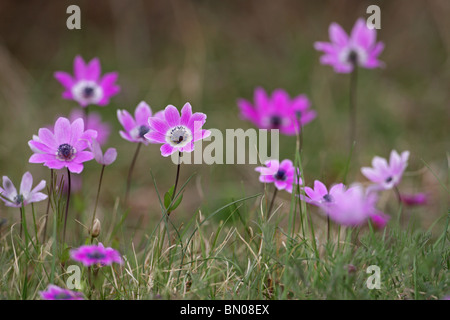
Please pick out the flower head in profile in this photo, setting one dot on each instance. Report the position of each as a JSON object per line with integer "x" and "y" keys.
{"x": 56, "y": 293}
{"x": 387, "y": 175}
{"x": 177, "y": 132}
{"x": 345, "y": 52}
{"x": 355, "y": 207}
{"x": 64, "y": 147}
{"x": 87, "y": 86}
{"x": 103, "y": 159}
{"x": 320, "y": 195}
{"x": 414, "y": 199}
{"x": 136, "y": 128}
{"x": 278, "y": 111}
{"x": 26, "y": 195}
{"x": 96, "y": 254}
{"x": 93, "y": 121}
{"x": 283, "y": 175}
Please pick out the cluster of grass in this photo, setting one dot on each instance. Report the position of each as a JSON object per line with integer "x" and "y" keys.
{"x": 237, "y": 251}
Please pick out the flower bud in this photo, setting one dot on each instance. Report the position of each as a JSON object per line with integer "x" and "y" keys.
{"x": 96, "y": 228}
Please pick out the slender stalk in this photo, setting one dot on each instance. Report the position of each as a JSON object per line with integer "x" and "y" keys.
{"x": 48, "y": 206}
{"x": 272, "y": 202}
{"x": 96, "y": 200}
{"x": 352, "y": 105}
{"x": 178, "y": 175}
{"x": 67, "y": 205}
{"x": 176, "y": 181}
{"x": 400, "y": 204}
{"x": 21, "y": 221}
{"x": 328, "y": 228}
{"x": 130, "y": 171}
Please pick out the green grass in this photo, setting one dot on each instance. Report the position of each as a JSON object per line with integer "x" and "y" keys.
{"x": 234, "y": 252}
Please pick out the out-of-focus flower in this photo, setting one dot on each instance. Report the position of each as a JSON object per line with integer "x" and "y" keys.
{"x": 12, "y": 198}
{"x": 96, "y": 254}
{"x": 416, "y": 199}
{"x": 93, "y": 121}
{"x": 135, "y": 129}
{"x": 387, "y": 175}
{"x": 282, "y": 175}
{"x": 63, "y": 148}
{"x": 56, "y": 293}
{"x": 175, "y": 132}
{"x": 103, "y": 159}
{"x": 354, "y": 207}
{"x": 345, "y": 52}
{"x": 87, "y": 86}
{"x": 278, "y": 111}
{"x": 76, "y": 182}
{"x": 320, "y": 195}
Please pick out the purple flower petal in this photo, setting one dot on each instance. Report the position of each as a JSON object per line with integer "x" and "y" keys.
{"x": 167, "y": 150}
{"x": 172, "y": 116}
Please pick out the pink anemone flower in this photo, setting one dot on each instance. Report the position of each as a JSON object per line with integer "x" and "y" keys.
{"x": 136, "y": 128}
{"x": 105, "y": 159}
{"x": 56, "y": 293}
{"x": 278, "y": 111}
{"x": 96, "y": 254}
{"x": 355, "y": 207}
{"x": 87, "y": 87}
{"x": 177, "y": 132}
{"x": 387, "y": 175}
{"x": 345, "y": 52}
{"x": 282, "y": 175}
{"x": 320, "y": 194}
{"x": 64, "y": 147}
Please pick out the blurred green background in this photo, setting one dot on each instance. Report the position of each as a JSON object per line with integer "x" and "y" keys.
{"x": 212, "y": 52}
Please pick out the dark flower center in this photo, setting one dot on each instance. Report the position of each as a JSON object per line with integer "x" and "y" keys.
{"x": 389, "y": 179}
{"x": 66, "y": 152}
{"x": 18, "y": 199}
{"x": 328, "y": 198}
{"x": 96, "y": 255}
{"x": 62, "y": 296}
{"x": 353, "y": 57}
{"x": 88, "y": 92}
{"x": 143, "y": 130}
{"x": 280, "y": 175}
{"x": 276, "y": 121}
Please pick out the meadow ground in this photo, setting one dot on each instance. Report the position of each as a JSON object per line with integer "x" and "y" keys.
{"x": 220, "y": 242}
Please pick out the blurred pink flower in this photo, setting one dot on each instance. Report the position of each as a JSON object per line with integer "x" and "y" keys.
{"x": 135, "y": 129}
{"x": 320, "y": 194}
{"x": 12, "y": 198}
{"x": 96, "y": 254}
{"x": 416, "y": 199}
{"x": 175, "y": 132}
{"x": 278, "y": 111}
{"x": 86, "y": 86}
{"x": 387, "y": 175}
{"x": 344, "y": 52}
{"x": 56, "y": 293}
{"x": 281, "y": 174}
{"x": 76, "y": 182}
{"x": 64, "y": 147}
{"x": 93, "y": 121}
{"x": 354, "y": 207}
{"x": 103, "y": 159}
